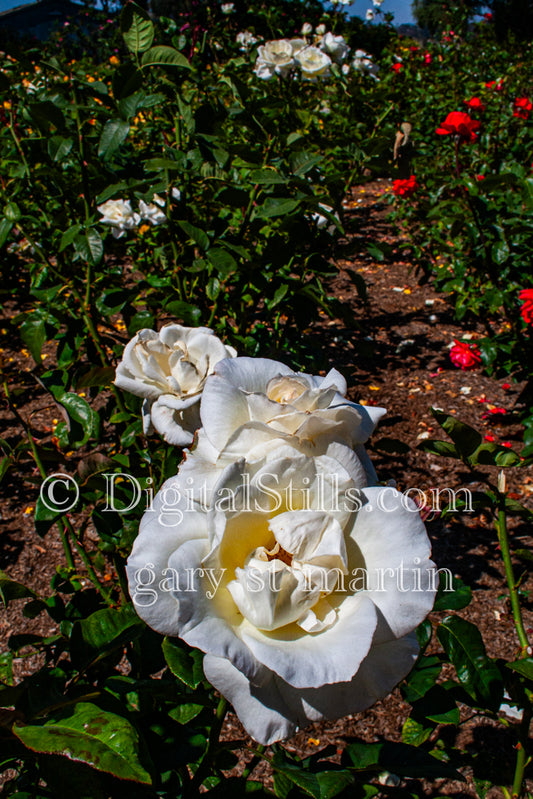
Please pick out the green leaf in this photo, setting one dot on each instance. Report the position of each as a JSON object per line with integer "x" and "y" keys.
{"x": 524, "y": 666}
{"x": 458, "y": 597}
{"x": 102, "y": 632}
{"x": 89, "y": 246}
{"x": 84, "y": 422}
{"x": 198, "y": 236}
{"x": 266, "y": 177}
{"x": 465, "y": 438}
{"x": 164, "y": 56}
{"x": 276, "y": 206}
{"x": 59, "y": 147}
{"x": 183, "y": 662}
{"x": 185, "y": 713}
{"x": 222, "y": 260}
{"x": 400, "y": 759}
{"x": 45, "y": 516}
{"x": 11, "y": 589}
{"x": 100, "y": 739}
{"x": 415, "y": 733}
{"x": 5, "y": 230}
{"x": 421, "y": 679}
{"x": 113, "y": 135}
{"x": 444, "y": 448}
{"x": 477, "y": 673}
{"x": 69, "y": 236}
{"x": 33, "y": 334}
{"x": 99, "y": 376}
{"x": 137, "y": 28}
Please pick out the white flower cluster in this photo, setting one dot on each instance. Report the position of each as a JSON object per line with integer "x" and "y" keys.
{"x": 273, "y": 550}
{"x": 312, "y": 60}
{"x": 121, "y": 217}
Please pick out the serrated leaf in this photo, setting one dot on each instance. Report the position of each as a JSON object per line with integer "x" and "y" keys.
{"x": 454, "y": 596}
{"x": 102, "y": 740}
{"x": 477, "y": 673}
{"x": 11, "y": 589}
{"x": 195, "y": 233}
{"x": 164, "y": 56}
{"x": 59, "y": 147}
{"x": 105, "y": 630}
{"x": 137, "y": 28}
{"x": 183, "y": 662}
{"x": 185, "y": 713}
{"x": 113, "y": 135}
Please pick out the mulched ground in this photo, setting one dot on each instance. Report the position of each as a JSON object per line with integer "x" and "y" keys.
{"x": 394, "y": 354}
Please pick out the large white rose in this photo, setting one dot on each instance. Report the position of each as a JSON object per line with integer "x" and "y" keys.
{"x": 274, "y": 58}
{"x": 313, "y": 62}
{"x": 335, "y": 46}
{"x": 119, "y": 215}
{"x": 169, "y": 369}
{"x": 300, "y": 583}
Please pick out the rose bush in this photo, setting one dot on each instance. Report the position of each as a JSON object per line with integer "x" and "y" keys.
{"x": 168, "y": 370}
{"x": 300, "y": 581}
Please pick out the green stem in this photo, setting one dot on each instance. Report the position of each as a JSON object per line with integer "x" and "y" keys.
{"x": 203, "y": 769}
{"x": 522, "y": 758}
{"x": 503, "y": 539}
{"x": 19, "y": 147}
{"x": 253, "y": 762}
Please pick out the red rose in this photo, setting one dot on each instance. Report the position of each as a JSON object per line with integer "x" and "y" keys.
{"x": 397, "y": 68}
{"x": 427, "y": 58}
{"x": 405, "y": 187}
{"x": 526, "y": 311}
{"x": 495, "y": 85}
{"x": 475, "y": 104}
{"x": 465, "y": 356}
{"x": 521, "y": 107}
{"x": 488, "y": 16}
{"x": 459, "y": 124}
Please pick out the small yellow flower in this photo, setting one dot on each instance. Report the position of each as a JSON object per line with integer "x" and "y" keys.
{"x": 7, "y": 105}
{"x": 28, "y": 510}
{"x": 143, "y": 229}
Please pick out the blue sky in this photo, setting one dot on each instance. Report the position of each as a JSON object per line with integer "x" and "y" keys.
{"x": 400, "y": 8}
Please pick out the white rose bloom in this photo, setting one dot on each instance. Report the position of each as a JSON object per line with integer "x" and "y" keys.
{"x": 169, "y": 369}
{"x": 246, "y": 39}
{"x": 325, "y": 222}
{"x": 251, "y": 405}
{"x": 152, "y": 212}
{"x": 274, "y": 58}
{"x": 363, "y": 63}
{"x": 313, "y": 62}
{"x": 307, "y": 29}
{"x": 335, "y": 46}
{"x": 227, "y": 8}
{"x": 301, "y": 584}
{"x": 176, "y": 194}
{"x": 119, "y": 215}
{"x": 320, "y": 30}
{"x": 370, "y": 14}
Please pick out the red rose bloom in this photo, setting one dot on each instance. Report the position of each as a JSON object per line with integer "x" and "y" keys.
{"x": 465, "y": 356}
{"x": 397, "y": 68}
{"x": 522, "y": 107}
{"x": 459, "y": 124}
{"x": 427, "y": 58}
{"x": 405, "y": 187}
{"x": 475, "y": 104}
{"x": 496, "y": 86}
{"x": 488, "y": 16}
{"x": 526, "y": 311}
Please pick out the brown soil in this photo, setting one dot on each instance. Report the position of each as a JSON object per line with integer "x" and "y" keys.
{"x": 394, "y": 354}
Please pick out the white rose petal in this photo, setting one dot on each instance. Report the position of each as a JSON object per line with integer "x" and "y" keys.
{"x": 275, "y": 57}
{"x": 153, "y": 212}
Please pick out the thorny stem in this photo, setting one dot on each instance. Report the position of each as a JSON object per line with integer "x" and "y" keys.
{"x": 522, "y": 758}
{"x": 503, "y": 539}
{"x": 214, "y": 735}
